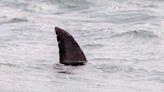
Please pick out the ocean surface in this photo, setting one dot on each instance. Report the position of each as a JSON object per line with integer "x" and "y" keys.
{"x": 123, "y": 41}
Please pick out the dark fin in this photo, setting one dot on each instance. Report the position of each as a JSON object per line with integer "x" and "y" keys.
{"x": 69, "y": 51}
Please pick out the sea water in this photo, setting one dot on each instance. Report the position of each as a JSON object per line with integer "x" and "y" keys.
{"x": 123, "y": 41}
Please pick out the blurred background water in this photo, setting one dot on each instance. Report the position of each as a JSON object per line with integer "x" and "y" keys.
{"x": 123, "y": 41}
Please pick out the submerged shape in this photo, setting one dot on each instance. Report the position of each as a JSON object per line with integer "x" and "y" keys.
{"x": 69, "y": 51}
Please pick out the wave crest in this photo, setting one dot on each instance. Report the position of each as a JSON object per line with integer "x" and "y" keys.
{"x": 139, "y": 34}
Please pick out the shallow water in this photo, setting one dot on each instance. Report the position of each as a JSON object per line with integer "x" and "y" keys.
{"x": 123, "y": 41}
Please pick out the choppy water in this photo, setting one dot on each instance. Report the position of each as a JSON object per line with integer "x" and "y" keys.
{"x": 122, "y": 39}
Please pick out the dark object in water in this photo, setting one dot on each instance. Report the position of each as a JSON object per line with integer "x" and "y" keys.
{"x": 70, "y": 52}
